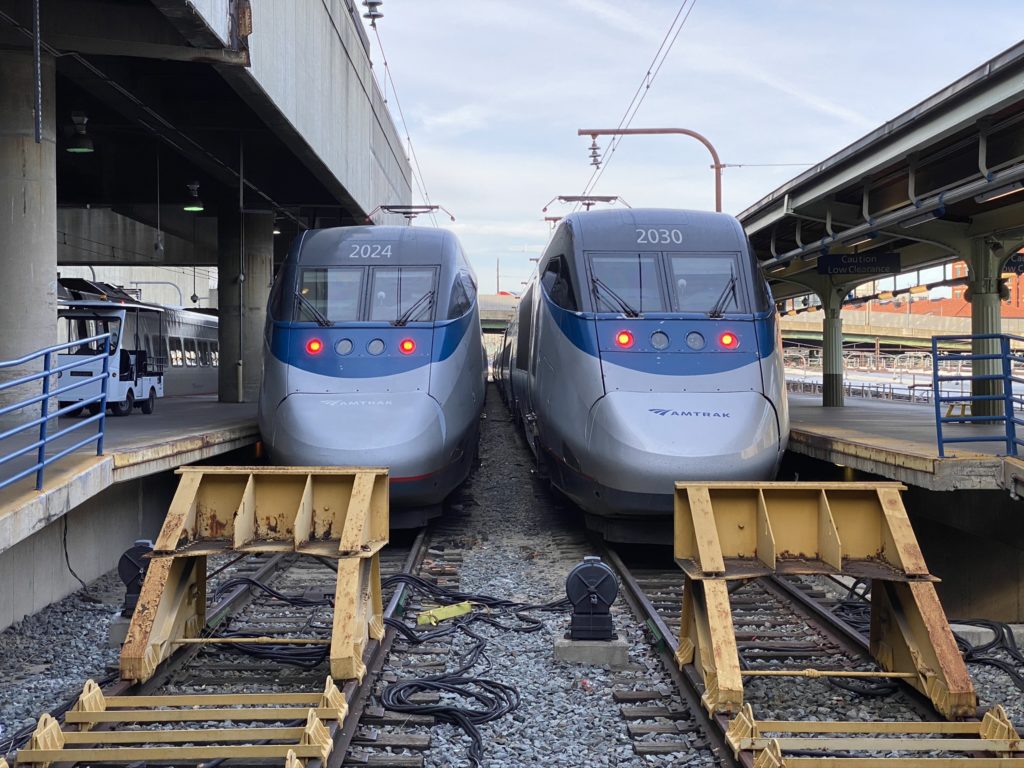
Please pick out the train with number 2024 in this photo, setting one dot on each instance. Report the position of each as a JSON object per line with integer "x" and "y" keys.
{"x": 645, "y": 351}
{"x": 373, "y": 356}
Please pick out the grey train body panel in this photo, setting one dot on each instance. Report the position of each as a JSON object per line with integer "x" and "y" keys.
{"x": 417, "y": 414}
{"x": 613, "y": 424}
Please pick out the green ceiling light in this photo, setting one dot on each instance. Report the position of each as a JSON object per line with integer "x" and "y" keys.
{"x": 195, "y": 205}
{"x": 80, "y": 143}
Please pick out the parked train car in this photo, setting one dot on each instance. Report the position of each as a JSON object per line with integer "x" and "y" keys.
{"x": 373, "y": 357}
{"x": 646, "y": 350}
{"x": 157, "y": 350}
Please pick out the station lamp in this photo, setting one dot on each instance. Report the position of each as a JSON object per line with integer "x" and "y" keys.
{"x": 80, "y": 143}
{"x": 194, "y": 204}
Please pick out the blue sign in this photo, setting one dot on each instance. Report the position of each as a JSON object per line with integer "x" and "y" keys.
{"x": 1015, "y": 264}
{"x": 859, "y": 264}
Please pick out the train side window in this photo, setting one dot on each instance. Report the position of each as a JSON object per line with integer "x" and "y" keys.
{"x": 525, "y": 327}
{"x": 558, "y": 284}
{"x": 204, "y": 353}
{"x": 215, "y": 352}
{"x": 175, "y": 352}
{"x": 463, "y": 292}
{"x": 190, "y": 353}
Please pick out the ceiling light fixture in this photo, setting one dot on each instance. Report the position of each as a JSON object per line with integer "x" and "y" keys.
{"x": 194, "y": 205}
{"x": 80, "y": 143}
{"x": 994, "y": 194}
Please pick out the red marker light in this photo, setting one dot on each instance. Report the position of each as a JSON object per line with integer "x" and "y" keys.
{"x": 314, "y": 346}
{"x": 729, "y": 340}
{"x": 407, "y": 346}
{"x": 624, "y": 339}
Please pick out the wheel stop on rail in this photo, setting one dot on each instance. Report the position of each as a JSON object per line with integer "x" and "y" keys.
{"x": 728, "y": 532}
{"x": 336, "y": 513}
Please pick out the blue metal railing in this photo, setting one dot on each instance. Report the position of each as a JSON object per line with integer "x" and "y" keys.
{"x": 1006, "y": 358}
{"x": 48, "y": 356}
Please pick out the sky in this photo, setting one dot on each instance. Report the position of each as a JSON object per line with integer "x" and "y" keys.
{"x": 493, "y": 92}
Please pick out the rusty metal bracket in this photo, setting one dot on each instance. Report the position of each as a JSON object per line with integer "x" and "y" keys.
{"x": 340, "y": 513}
{"x": 742, "y": 530}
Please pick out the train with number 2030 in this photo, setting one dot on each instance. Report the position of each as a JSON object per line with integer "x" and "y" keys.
{"x": 646, "y": 350}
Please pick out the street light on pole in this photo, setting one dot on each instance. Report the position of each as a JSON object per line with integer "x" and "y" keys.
{"x": 716, "y": 162}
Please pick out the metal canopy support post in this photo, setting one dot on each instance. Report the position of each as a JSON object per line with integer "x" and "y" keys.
{"x": 831, "y": 295}
{"x": 832, "y": 345}
{"x": 983, "y": 276}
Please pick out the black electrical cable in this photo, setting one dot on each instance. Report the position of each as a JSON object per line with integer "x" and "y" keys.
{"x": 303, "y": 656}
{"x": 297, "y": 600}
{"x": 19, "y": 738}
{"x": 483, "y": 700}
{"x": 1002, "y": 640}
{"x": 480, "y": 700}
{"x": 67, "y": 559}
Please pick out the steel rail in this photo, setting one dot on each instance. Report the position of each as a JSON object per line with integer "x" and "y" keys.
{"x": 687, "y": 680}
{"x": 358, "y": 692}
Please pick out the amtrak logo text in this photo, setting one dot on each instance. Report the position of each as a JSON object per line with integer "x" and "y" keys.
{"x": 705, "y": 414}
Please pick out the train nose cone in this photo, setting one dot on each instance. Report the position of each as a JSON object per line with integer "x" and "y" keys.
{"x": 643, "y": 442}
{"x": 403, "y": 431}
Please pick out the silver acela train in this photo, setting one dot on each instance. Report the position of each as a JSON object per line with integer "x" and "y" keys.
{"x": 373, "y": 357}
{"x": 646, "y": 350}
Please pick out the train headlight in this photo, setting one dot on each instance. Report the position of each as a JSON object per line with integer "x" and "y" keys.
{"x": 343, "y": 347}
{"x": 659, "y": 340}
{"x": 314, "y": 347}
{"x": 729, "y": 340}
{"x": 407, "y": 346}
{"x": 695, "y": 340}
{"x": 624, "y": 339}
{"x": 375, "y": 347}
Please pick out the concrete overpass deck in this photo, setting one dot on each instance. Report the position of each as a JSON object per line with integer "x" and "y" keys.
{"x": 182, "y": 430}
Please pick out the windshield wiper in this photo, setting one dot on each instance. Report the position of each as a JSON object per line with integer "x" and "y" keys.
{"x": 730, "y": 289}
{"x": 406, "y": 316}
{"x": 322, "y": 321}
{"x": 627, "y": 310}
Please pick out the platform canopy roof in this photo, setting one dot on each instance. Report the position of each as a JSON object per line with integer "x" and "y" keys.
{"x": 924, "y": 184}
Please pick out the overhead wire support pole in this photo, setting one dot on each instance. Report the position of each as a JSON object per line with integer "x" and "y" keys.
{"x": 37, "y": 62}
{"x": 716, "y": 162}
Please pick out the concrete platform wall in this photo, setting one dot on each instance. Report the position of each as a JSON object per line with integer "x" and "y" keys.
{"x": 339, "y": 112}
{"x": 33, "y": 573}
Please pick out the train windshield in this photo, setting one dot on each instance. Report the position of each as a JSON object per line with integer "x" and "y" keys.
{"x": 335, "y": 293}
{"x": 402, "y": 294}
{"x": 74, "y": 326}
{"x": 627, "y": 282}
{"x": 706, "y": 283}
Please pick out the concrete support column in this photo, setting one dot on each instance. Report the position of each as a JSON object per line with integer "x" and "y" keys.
{"x": 28, "y": 224}
{"x": 245, "y": 270}
{"x": 832, "y": 346}
{"x": 983, "y": 279}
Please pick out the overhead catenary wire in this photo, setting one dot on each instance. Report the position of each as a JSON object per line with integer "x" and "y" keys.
{"x": 417, "y": 171}
{"x": 644, "y": 88}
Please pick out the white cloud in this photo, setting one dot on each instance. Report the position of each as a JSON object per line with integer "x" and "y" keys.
{"x": 494, "y": 92}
